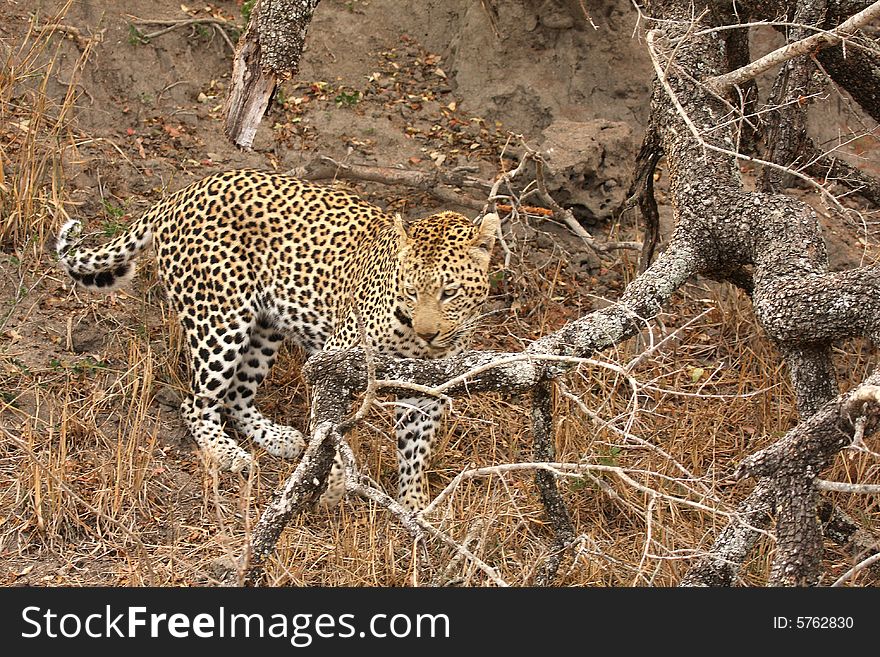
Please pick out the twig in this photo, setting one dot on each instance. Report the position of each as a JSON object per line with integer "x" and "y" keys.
{"x": 777, "y": 24}
{"x": 493, "y": 197}
{"x": 565, "y": 216}
{"x": 559, "y": 213}
{"x": 641, "y": 442}
{"x": 844, "y": 487}
{"x": 174, "y": 24}
{"x": 577, "y": 470}
{"x": 870, "y": 561}
{"x": 326, "y": 168}
{"x": 73, "y": 33}
{"x": 506, "y": 177}
{"x": 527, "y": 357}
{"x": 649, "y": 515}
{"x": 673, "y": 97}
{"x": 413, "y": 522}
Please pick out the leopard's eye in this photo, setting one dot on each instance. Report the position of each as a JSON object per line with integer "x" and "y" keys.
{"x": 410, "y": 293}
{"x": 449, "y": 292}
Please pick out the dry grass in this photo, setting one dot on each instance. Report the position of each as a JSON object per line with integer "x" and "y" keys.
{"x": 40, "y": 133}
{"x": 99, "y": 483}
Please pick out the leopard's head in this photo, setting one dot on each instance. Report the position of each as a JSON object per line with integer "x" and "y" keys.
{"x": 444, "y": 276}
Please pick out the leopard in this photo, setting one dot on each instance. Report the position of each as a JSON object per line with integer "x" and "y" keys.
{"x": 250, "y": 259}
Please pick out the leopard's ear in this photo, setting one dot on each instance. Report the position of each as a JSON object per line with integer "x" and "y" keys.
{"x": 486, "y": 231}
{"x": 400, "y": 227}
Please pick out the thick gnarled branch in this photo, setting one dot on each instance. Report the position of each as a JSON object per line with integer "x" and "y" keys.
{"x": 796, "y": 300}
{"x": 338, "y": 375}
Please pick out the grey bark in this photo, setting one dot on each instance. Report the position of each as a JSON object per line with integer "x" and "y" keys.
{"x": 785, "y": 132}
{"x": 723, "y": 561}
{"x": 794, "y": 295}
{"x": 304, "y": 487}
{"x": 738, "y": 55}
{"x": 844, "y": 530}
{"x": 642, "y": 190}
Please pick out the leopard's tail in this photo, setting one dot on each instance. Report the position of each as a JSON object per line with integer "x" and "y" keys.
{"x": 106, "y": 267}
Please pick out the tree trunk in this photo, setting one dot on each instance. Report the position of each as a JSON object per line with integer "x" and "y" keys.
{"x": 268, "y": 52}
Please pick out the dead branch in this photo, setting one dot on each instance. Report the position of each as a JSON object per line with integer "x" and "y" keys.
{"x": 830, "y": 168}
{"x": 854, "y": 64}
{"x": 809, "y": 445}
{"x": 844, "y": 487}
{"x": 554, "y": 506}
{"x": 436, "y": 184}
{"x": 721, "y": 564}
{"x": 301, "y": 490}
{"x": 558, "y": 212}
{"x": 719, "y": 228}
{"x": 641, "y": 193}
{"x": 566, "y": 216}
{"x": 873, "y": 560}
{"x": 704, "y": 183}
{"x": 71, "y": 32}
{"x": 722, "y": 83}
{"x": 430, "y": 182}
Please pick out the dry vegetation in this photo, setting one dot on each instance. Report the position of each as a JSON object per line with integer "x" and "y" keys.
{"x": 100, "y": 485}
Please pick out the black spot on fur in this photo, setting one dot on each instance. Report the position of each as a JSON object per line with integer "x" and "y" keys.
{"x": 105, "y": 279}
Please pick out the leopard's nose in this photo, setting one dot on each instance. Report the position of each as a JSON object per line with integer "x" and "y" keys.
{"x": 428, "y": 336}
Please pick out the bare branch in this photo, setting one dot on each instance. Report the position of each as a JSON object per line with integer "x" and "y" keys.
{"x": 268, "y": 52}
{"x": 173, "y": 24}
{"x": 722, "y": 83}
{"x": 846, "y": 487}
{"x": 544, "y": 433}
{"x": 862, "y": 565}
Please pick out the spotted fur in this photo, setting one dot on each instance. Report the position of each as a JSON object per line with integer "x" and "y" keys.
{"x": 250, "y": 258}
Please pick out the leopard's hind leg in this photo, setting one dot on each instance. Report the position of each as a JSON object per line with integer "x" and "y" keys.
{"x": 253, "y": 367}
{"x": 216, "y": 349}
